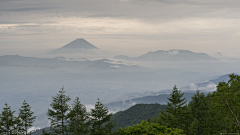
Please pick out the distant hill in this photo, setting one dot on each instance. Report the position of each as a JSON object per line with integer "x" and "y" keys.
{"x": 136, "y": 114}
{"x": 79, "y": 45}
{"x": 205, "y": 86}
{"x": 161, "y": 96}
{"x": 160, "y": 99}
{"x": 171, "y": 55}
{"x": 60, "y": 62}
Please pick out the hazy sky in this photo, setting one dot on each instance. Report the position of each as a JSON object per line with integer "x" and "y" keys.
{"x": 130, "y": 27}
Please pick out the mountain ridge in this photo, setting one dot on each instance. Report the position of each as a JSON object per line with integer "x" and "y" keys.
{"x": 170, "y": 55}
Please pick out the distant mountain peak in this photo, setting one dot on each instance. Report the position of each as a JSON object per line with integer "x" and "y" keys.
{"x": 79, "y": 45}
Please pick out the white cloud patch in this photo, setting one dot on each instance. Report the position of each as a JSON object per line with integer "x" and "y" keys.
{"x": 32, "y": 129}
{"x": 173, "y": 52}
{"x": 209, "y": 88}
{"x": 193, "y": 86}
{"x": 89, "y": 107}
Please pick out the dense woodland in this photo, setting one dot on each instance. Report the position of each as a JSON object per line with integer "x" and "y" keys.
{"x": 136, "y": 114}
{"x": 212, "y": 114}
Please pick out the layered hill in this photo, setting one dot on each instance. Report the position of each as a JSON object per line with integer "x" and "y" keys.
{"x": 79, "y": 45}
{"x": 161, "y": 96}
{"x": 171, "y": 55}
{"x": 136, "y": 114}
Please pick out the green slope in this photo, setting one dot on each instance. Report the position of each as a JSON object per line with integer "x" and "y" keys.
{"x": 136, "y": 114}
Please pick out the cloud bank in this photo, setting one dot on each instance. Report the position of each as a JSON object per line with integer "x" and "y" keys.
{"x": 143, "y": 25}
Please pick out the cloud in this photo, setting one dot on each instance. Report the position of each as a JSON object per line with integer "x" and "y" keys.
{"x": 161, "y": 22}
{"x": 208, "y": 88}
{"x": 89, "y": 107}
{"x": 32, "y": 129}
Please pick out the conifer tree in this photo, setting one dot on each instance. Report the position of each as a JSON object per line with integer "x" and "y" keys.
{"x": 186, "y": 119}
{"x": 26, "y": 116}
{"x": 200, "y": 107}
{"x": 101, "y": 120}
{"x": 9, "y": 123}
{"x": 79, "y": 119}
{"x": 45, "y": 133}
{"x": 175, "y": 106}
{"x": 57, "y": 114}
{"x": 215, "y": 121}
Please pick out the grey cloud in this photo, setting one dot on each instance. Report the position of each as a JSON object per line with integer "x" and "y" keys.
{"x": 26, "y": 9}
{"x": 26, "y": 26}
{"x": 106, "y": 15}
{"x": 171, "y": 20}
{"x": 142, "y": 9}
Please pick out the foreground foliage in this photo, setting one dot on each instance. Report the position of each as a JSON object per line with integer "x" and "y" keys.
{"x": 9, "y": 122}
{"x": 146, "y": 128}
{"x": 227, "y": 101}
{"x": 79, "y": 119}
{"x": 26, "y": 117}
{"x": 16, "y": 125}
{"x": 101, "y": 123}
{"x": 57, "y": 114}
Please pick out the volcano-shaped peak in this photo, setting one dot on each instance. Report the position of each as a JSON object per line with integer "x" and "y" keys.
{"x": 78, "y": 46}
{"x": 80, "y": 43}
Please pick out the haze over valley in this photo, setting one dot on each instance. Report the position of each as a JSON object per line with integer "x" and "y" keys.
{"x": 112, "y": 79}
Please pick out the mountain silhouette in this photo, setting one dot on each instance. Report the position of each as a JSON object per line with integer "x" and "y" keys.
{"x": 171, "y": 55}
{"x": 79, "y": 45}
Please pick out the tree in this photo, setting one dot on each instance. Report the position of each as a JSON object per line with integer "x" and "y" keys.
{"x": 199, "y": 108}
{"x": 9, "y": 123}
{"x": 173, "y": 117}
{"x": 146, "y": 128}
{"x": 26, "y": 116}
{"x": 215, "y": 121}
{"x": 186, "y": 119}
{"x": 79, "y": 119}
{"x": 57, "y": 114}
{"x": 227, "y": 100}
{"x": 45, "y": 133}
{"x": 101, "y": 120}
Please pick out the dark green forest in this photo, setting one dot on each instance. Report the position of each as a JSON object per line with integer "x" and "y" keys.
{"x": 211, "y": 114}
{"x": 136, "y": 114}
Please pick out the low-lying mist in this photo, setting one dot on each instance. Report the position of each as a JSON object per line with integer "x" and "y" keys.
{"x": 111, "y": 80}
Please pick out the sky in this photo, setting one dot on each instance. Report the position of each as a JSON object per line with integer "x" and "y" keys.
{"x": 129, "y": 27}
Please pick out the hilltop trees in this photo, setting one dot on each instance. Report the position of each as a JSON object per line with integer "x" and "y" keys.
{"x": 76, "y": 120}
{"x": 26, "y": 116}
{"x": 9, "y": 123}
{"x": 57, "y": 114}
{"x": 198, "y": 117}
{"x": 79, "y": 119}
{"x": 173, "y": 117}
{"x": 146, "y": 128}
{"x": 101, "y": 120}
{"x": 200, "y": 107}
{"x": 227, "y": 101}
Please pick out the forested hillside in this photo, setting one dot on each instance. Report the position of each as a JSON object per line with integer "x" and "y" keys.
{"x": 136, "y": 114}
